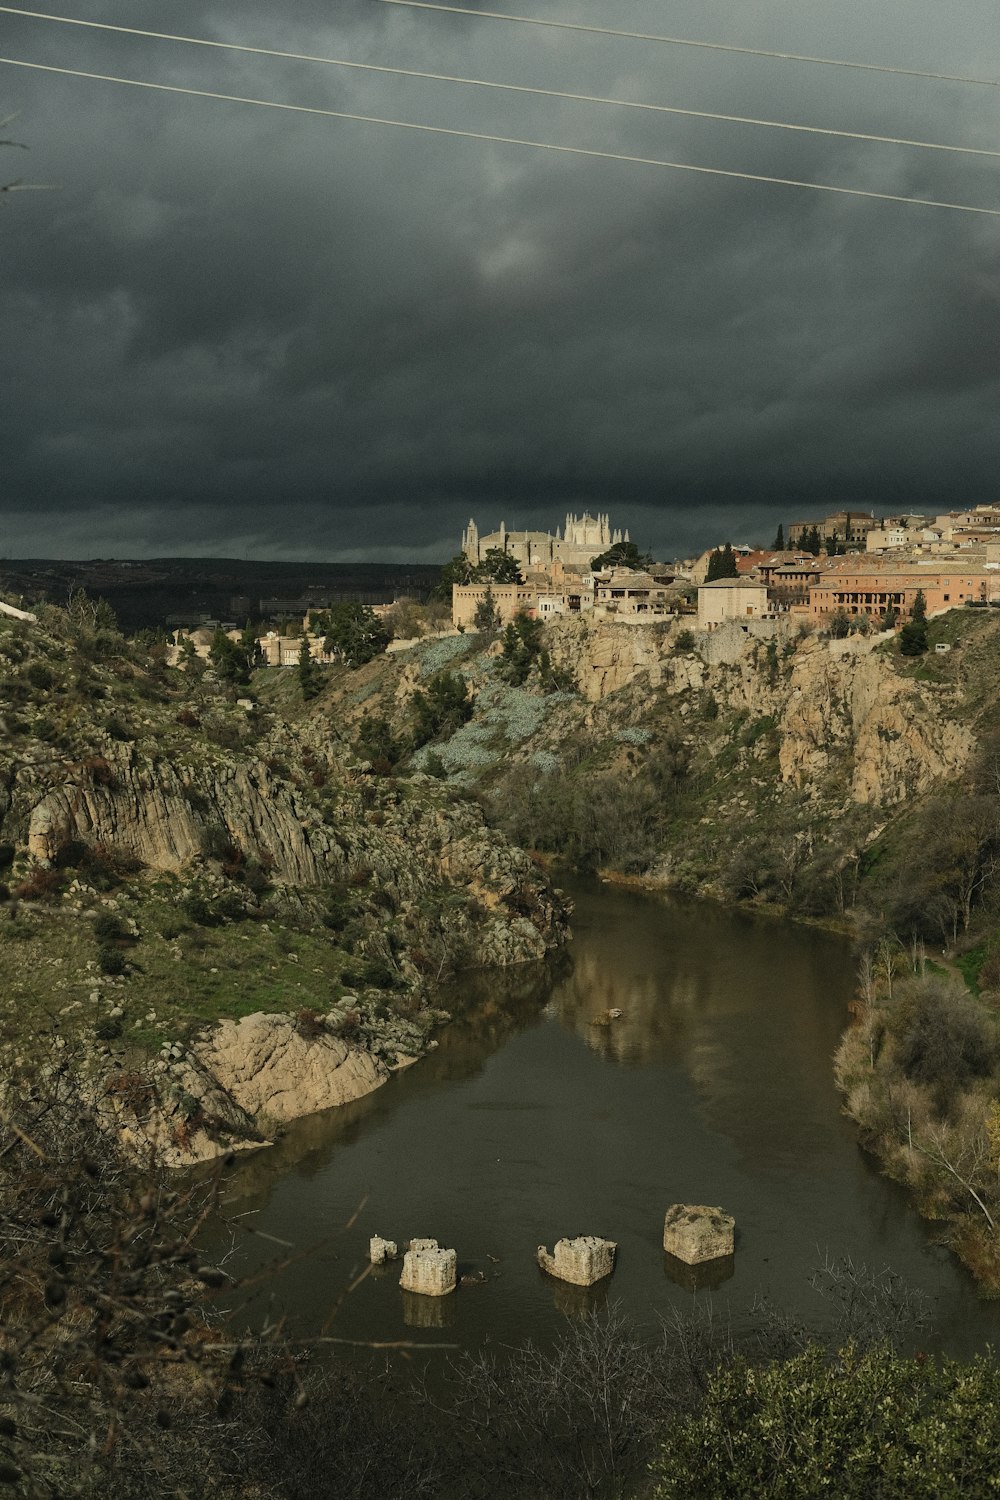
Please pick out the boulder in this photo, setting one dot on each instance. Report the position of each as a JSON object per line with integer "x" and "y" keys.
{"x": 584, "y": 1260}
{"x": 429, "y": 1269}
{"x": 696, "y": 1233}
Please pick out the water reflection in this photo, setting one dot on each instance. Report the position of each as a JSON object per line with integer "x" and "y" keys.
{"x": 726, "y": 996}
{"x": 428, "y": 1312}
{"x": 578, "y": 1301}
{"x": 530, "y": 1123}
{"x": 706, "y": 1277}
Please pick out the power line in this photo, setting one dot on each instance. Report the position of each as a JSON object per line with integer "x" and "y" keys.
{"x": 678, "y": 41}
{"x": 515, "y": 88}
{"x": 503, "y": 140}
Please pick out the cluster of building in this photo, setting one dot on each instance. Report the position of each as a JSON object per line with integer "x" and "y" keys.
{"x": 847, "y": 563}
{"x": 952, "y": 560}
{"x": 558, "y": 576}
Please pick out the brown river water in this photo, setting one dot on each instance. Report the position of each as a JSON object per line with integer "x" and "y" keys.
{"x": 529, "y": 1123}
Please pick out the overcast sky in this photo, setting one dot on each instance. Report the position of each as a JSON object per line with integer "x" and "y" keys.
{"x": 247, "y": 332}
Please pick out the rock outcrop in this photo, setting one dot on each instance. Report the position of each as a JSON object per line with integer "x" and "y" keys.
{"x": 896, "y": 734}
{"x": 898, "y": 740}
{"x": 276, "y": 1074}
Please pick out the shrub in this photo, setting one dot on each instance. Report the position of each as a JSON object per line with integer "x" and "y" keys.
{"x": 225, "y": 734}
{"x": 309, "y": 1023}
{"x": 39, "y": 675}
{"x": 684, "y": 640}
{"x": 119, "y": 730}
{"x": 945, "y": 1042}
{"x": 100, "y": 770}
{"x": 197, "y": 908}
{"x": 187, "y": 718}
{"x": 110, "y": 960}
{"x": 41, "y": 885}
{"x": 858, "y": 1425}
{"x": 108, "y": 1030}
{"x": 108, "y": 928}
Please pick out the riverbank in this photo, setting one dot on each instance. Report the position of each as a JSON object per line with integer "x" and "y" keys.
{"x": 919, "y": 1072}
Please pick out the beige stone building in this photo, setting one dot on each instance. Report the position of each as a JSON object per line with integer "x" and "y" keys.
{"x": 574, "y": 544}
{"x": 624, "y": 592}
{"x": 509, "y": 598}
{"x": 732, "y": 599}
{"x": 840, "y": 525}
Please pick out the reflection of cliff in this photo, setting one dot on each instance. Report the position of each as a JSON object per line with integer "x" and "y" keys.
{"x": 646, "y": 1029}
{"x": 742, "y": 1004}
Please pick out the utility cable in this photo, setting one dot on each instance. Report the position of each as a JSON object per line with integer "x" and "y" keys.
{"x": 678, "y": 41}
{"x": 503, "y": 140}
{"x": 514, "y": 88}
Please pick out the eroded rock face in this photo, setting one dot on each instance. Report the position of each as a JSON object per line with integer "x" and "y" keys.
{"x": 604, "y": 656}
{"x": 158, "y": 813}
{"x": 896, "y": 734}
{"x": 276, "y": 1074}
{"x": 380, "y": 1250}
{"x": 582, "y": 1261}
{"x": 429, "y": 1269}
{"x": 695, "y": 1233}
{"x": 899, "y": 741}
{"x": 179, "y": 1116}
{"x": 161, "y": 813}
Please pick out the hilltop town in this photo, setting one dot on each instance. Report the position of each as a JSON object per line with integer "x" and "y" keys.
{"x": 848, "y": 573}
{"x": 847, "y": 567}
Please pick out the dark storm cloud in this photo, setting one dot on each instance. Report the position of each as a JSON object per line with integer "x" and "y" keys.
{"x": 234, "y": 330}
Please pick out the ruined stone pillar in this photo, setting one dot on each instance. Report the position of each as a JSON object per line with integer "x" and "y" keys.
{"x": 582, "y": 1261}
{"x": 429, "y": 1269}
{"x": 695, "y": 1233}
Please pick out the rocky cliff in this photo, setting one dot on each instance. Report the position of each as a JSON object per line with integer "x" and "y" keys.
{"x": 897, "y": 736}
{"x": 175, "y": 857}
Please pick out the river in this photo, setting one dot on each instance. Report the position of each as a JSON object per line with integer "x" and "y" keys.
{"x": 529, "y": 1122}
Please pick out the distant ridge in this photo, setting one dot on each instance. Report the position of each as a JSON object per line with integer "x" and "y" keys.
{"x": 144, "y": 591}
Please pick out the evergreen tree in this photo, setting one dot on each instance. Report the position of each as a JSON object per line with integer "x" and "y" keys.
{"x": 309, "y": 674}
{"x": 353, "y": 632}
{"x": 229, "y": 659}
{"x": 779, "y": 539}
{"x": 889, "y": 617}
{"x": 250, "y": 645}
{"x": 459, "y": 570}
{"x": 522, "y": 647}
{"x": 621, "y": 555}
{"x": 722, "y": 564}
{"x": 487, "y": 616}
{"x": 913, "y": 636}
{"x": 443, "y": 708}
{"x": 497, "y": 567}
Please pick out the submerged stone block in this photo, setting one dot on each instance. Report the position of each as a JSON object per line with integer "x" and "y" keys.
{"x": 584, "y": 1260}
{"x": 695, "y": 1233}
{"x": 380, "y": 1250}
{"x": 429, "y": 1269}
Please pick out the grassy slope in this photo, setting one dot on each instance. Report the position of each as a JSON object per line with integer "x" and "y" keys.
{"x": 67, "y": 693}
